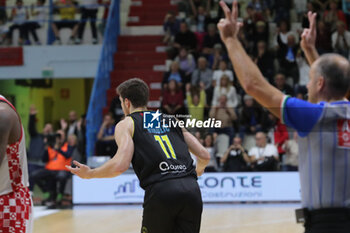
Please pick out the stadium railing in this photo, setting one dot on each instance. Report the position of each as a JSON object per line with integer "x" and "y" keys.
{"x": 102, "y": 80}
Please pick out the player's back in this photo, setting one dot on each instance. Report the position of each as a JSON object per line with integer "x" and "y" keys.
{"x": 159, "y": 153}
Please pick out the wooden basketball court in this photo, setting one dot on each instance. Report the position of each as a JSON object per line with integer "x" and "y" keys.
{"x": 223, "y": 218}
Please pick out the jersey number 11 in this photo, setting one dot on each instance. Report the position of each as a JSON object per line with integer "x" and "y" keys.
{"x": 161, "y": 140}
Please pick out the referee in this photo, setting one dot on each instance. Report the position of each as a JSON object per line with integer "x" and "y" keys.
{"x": 322, "y": 122}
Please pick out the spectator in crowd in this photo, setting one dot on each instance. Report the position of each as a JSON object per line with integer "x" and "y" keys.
{"x": 70, "y": 127}
{"x": 236, "y": 157}
{"x": 309, "y": 7}
{"x": 263, "y": 156}
{"x": 67, "y": 11}
{"x": 287, "y": 56}
{"x": 196, "y": 102}
{"x": 250, "y": 26}
{"x": 264, "y": 60}
{"x": 304, "y": 70}
{"x": 261, "y": 33}
{"x": 222, "y": 71}
{"x": 39, "y": 16}
{"x": 210, "y": 39}
{"x": 201, "y": 16}
{"x": 222, "y": 112}
{"x": 341, "y": 40}
{"x": 81, "y": 139}
{"x": 19, "y": 15}
{"x": 324, "y": 38}
{"x": 217, "y": 56}
{"x": 280, "y": 83}
{"x": 116, "y": 110}
{"x": 281, "y": 9}
{"x": 56, "y": 156}
{"x": 88, "y": 12}
{"x": 208, "y": 143}
{"x": 280, "y": 134}
{"x": 333, "y": 15}
{"x": 187, "y": 63}
{"x": 203, "y": 76}
{"x": 291, "y": 148}
{"x": 105, "y": 144}
{"x": 185, "y": 38}
{"x": 225, "y": 88}
{"x": 171, "y": 27}
{"x": 173, "y": 99}
{"x": 174, "y": 74}
{"x": 4, "y": 30}
{"x": 282, "y": 32}
{"x": 251, "y": 117}
{"x": 258, "y": 5}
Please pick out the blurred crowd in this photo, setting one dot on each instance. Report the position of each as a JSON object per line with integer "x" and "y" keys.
{"x": 200, "y": 80}
{"x": 28, "y": 19}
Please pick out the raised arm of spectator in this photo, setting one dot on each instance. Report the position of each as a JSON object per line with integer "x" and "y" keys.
{"x": 32, "y": 122}
{"x": 308, "y": 39}
{"x": 193, "y": 7}
{"x": 247, "y": 72}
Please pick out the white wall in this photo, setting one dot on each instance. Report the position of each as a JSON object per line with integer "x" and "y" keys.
{"x": 74, "y": 61}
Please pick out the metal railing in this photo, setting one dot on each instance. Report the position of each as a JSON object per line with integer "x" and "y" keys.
{"x": 98, "y": 98}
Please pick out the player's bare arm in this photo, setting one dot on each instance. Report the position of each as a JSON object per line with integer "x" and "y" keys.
{"x": 202, "y": 155}
{"x": 308, "y": 39}
{"x": 247, "y": 72}
{"x": 7, "y": 123}
{"x": 121, "y": 160}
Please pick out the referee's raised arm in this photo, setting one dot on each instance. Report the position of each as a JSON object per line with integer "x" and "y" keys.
{"x": 249, "y": 75}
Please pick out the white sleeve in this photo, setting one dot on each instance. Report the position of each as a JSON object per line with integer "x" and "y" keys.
{"x": 252, "y": 152}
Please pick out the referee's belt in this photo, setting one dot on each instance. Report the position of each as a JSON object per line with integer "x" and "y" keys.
{"x": 311, "y": 216}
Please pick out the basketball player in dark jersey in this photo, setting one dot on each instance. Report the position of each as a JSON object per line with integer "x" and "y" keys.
{"x": 161, "y": 160}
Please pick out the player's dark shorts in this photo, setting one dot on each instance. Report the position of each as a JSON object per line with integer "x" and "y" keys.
{"x": 66, "y": 24}
{"x": 172, "y": 206}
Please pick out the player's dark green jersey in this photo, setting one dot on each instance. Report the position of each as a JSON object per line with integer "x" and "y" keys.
{"x": 159, "y": 153}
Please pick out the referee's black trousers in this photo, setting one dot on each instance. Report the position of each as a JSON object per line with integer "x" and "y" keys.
{"x": 329, "y": 220}
{"x": 172, "y": 206}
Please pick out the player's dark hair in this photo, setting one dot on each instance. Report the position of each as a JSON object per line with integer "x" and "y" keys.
{"x": 336, "y": 72}
{"x": 134, "y": 90}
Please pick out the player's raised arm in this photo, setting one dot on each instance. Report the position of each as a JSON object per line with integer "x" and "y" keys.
{"x": 202, "y": 155}
{"x": 308, "y": 39}
{"x": 121, "y": 160}
{"x": 247, "y": 72}
{"x": 5, "y": 129}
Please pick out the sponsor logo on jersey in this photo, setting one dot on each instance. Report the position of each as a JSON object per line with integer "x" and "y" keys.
{"x": 171, "y": 168}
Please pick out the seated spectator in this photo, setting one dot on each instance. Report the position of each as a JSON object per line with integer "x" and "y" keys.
{"x": 225, "y": 88}
{"x": 39, "y": 17}
{"x": 282, "y": 32}
{"x": 217, "y": 75}
{"x": 201, "y": 16}
{"x": 19, "y": 15}
{"x": 171, "y": 27}
{"x": 236, "y": 157}
{"x": 217, "y": 56}
{"x": 263, "y": 156}
{"x": 185, "y": 38}
{"x": 105, "y": 144}
{"x": 250, "y": 26}
{"x": 57, "y": 155}
{"x": 203, "y": 76}
{"x": 210, "y": 39}
{"x": 222, "y": 112}
{"x": 187, "y": 63}
{"x": 324, "y": 38}
{"x": 174, "y": 74}
{"x": 290, "y": 162}
{"x": 265, "y": 61}
{"x": 173, "y": 99}
{"x": 251, "y": 117}
{"x": 280, "y": 83}
{"x": 333, "y": 15}
{"x": 208, "y": 143}
{"x": 287, "y": 56}
{"x": 196, "y": 102}
{"x": 88, "y": 12}
{"x": 261, "y": 33}
{"x": 304, "y": 70}
{"x": 4, "y": 30}
{"x": 341, "y": 40}
{"x": 67, "y": 11}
